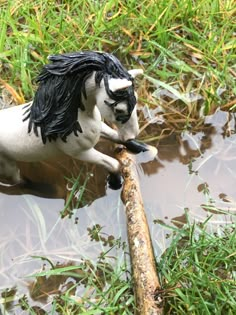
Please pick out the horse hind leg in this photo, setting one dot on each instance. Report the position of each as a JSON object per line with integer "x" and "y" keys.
{"x": 9, "y": 172}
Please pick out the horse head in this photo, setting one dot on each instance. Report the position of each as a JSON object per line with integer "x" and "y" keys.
{"x": 116, "y": 100}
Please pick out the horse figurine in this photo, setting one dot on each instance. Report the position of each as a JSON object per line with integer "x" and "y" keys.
{"x": 76, "y": 91}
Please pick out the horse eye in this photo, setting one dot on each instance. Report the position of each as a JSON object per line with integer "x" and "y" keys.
{"x": 120, "y": 111}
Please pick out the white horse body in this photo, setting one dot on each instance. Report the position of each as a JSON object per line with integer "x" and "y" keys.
{"x": 19, "y": 143}
{"x": 15, "y": 141}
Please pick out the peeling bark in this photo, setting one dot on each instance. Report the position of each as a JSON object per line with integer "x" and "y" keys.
{"x": 147, "y": 287}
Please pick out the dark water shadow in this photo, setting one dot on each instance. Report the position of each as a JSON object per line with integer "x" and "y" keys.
{"x": 49, "y": 179}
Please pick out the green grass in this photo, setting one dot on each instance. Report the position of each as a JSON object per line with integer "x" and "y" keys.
{"x": 198, "y": 271}
{"x": 76, "y": 198}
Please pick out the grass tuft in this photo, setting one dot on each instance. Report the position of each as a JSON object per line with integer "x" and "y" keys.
{"x": 198, "y": 271}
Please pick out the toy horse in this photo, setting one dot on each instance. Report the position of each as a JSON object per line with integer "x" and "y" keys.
{"x": 76, "y": 91}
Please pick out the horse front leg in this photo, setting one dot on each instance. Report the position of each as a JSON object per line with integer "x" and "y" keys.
{"x": 131, "y": 144}
{"x": 110, "y": 134}
{"x": 111, "y": 164}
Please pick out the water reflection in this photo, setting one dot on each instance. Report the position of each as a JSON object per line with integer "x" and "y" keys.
{"x": 185, "y": 162}
{"x": 194, "y": 171}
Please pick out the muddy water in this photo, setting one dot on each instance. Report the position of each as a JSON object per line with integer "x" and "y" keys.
{"x": 193, "y": 172}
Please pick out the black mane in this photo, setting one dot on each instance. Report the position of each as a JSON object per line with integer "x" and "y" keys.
{"x": 61, "y": 85}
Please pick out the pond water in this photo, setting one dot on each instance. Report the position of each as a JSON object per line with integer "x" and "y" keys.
{"x": 193, "y": 172}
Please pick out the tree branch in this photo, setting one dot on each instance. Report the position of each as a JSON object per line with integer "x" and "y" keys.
{"x": 147, "y": 286}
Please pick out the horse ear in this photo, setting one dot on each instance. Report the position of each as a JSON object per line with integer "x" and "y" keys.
{"x": 119, "y": 84}
{"x": 135, "y": 72}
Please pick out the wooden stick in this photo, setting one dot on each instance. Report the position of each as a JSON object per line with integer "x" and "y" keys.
{"x": 146, "y": 282}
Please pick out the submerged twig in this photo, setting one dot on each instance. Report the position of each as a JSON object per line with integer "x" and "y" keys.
{"x": 147, "y": 287}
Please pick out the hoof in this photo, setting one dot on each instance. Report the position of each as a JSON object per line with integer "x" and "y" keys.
{"x": 114, "y": 181}
{"x": 135, "y": 146}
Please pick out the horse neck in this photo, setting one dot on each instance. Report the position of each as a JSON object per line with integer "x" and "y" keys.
{"x": 90, "y": 87}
